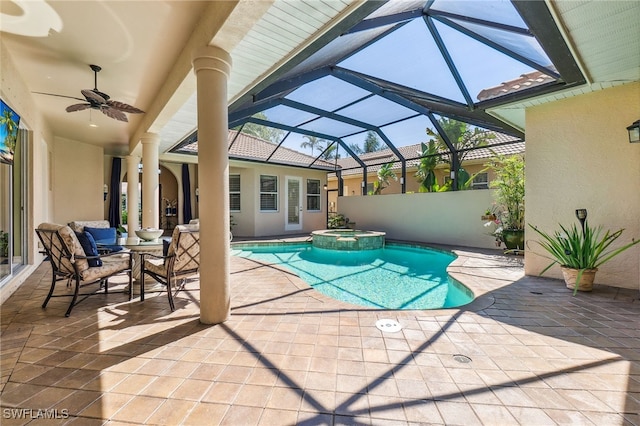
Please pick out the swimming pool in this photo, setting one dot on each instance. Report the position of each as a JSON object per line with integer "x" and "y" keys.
{"x": 395, "y": 277}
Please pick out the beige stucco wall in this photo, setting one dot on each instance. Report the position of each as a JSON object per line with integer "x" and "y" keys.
{"x": 452, "y": 218}
{"x": 77, "y": 181}
{"x": 579, "y": 156}
{"x": 252, "y": 222}
{"x": 352, "y": 182}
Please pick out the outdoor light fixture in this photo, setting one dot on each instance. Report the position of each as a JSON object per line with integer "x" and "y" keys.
{"x": 140, "y": 168}
{"x": 325, "y": 187}
{"x": 197, "y": 195}
{"x": 105, "y": 191}
{"x": 634, "y": 132}
{"x": 581, "y": 214}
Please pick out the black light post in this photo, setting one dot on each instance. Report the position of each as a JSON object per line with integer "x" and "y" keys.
{"x": 581, "y": 214}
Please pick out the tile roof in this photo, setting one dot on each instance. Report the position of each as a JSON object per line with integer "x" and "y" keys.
{"x": 248, "y": 147}
{"x": 375, "y": 159}
{"x": 525, "y": 81}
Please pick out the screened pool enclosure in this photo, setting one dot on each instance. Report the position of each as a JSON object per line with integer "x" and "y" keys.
{"x": 404, "y": 73}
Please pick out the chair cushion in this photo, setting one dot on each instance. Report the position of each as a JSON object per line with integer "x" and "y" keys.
{"x": 107, "y": 269}
{"x": 90, "y": 248}
{"x": 157, "y": 266}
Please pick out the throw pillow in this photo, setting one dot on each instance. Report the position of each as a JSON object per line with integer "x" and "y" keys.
{"x": 104, "y": 235}
{"x": 90, "y": 248}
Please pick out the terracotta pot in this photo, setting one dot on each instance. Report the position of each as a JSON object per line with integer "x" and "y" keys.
{"x": 586, "y": 280}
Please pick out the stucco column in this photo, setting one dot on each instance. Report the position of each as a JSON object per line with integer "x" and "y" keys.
{"x": 212, "y": 66}
{"x": 133, "y": 197}
{"x": 150, "y": 186}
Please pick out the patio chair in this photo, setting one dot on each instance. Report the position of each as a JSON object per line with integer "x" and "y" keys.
{"x": 182, "y": 260}
{"x": 70, "y": 263}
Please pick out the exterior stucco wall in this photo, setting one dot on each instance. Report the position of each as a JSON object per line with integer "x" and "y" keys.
{"x": 352, "y": 182}
{"x": 77, "y": 181}
{"x": 579, "y": 156}
{"x": 251, "y": 222}
{"x": 452, "y": 218}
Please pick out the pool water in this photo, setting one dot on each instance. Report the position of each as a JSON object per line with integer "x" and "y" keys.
{"x": 394, "y": 277}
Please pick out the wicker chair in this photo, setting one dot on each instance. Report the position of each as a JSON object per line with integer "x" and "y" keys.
{"x": 70, "y": 264}
{"x": 182, "y": 260}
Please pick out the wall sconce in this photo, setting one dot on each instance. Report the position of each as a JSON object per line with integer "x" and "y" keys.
{"x": 325, "y": 187}
{"x": 140, "y": 168}
{"x": 634, "y": 132}
{"x": 197, "y": 195}
{"x": 105, "y": 191}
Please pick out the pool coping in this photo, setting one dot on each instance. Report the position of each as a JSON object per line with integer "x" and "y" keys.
{"x": 471, "y": 267}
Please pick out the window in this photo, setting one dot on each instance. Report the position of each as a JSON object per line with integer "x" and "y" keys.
{"x": 234, "y": 193}
{"x": 481, "y": 181}
{"x": 313, "y": 195}
{"x": 268, "y": 193}
{"x": 369, "y": 188}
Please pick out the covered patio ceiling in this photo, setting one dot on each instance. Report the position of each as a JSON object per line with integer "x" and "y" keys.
{"x": 407, "y": 67}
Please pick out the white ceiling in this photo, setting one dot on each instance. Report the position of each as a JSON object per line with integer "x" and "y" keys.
{"x": 144, "y": 50}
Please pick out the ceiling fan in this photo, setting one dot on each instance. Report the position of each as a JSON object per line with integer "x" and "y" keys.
{"x": 95, "y": 99}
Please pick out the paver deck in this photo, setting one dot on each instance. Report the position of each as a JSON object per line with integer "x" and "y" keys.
{"x": 288, "y": 355}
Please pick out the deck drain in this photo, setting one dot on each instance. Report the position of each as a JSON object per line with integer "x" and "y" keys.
{"x": 388, "y": 325}
{"x": 462, "y": 358}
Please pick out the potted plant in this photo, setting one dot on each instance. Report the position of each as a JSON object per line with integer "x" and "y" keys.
{"x": 4, "y": 244}
{"x": 509, "y": 195}
{"x": 580, "y": 252}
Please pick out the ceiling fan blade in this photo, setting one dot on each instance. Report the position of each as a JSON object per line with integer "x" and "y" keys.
{"x": 121, "y": 106}
{"x": 113, "y": 113}
{"x": 93, "y": 96}
{"x": 59, "y": 96}
{"x": 78, "y": 107}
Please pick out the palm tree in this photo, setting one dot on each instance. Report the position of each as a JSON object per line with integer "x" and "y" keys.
{"x": 312, "y": 142}
{"x": 331, "y": 151}
{"x": 461, "y": 135}
{"x": 270, "y": 134}
{"x": 10, "y": 126}
{"x": 371, "y": 142}
{"x": 385, "y": 173}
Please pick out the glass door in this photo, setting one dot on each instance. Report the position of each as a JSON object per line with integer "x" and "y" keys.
{"x": 293, "y": 203}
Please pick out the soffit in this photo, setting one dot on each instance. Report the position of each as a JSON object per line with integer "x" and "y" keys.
{"x": 278, "y": 31}
{"x": 605, "y": 39}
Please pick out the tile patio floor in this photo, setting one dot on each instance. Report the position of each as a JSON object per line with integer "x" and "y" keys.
{"x": 289, "y": 355}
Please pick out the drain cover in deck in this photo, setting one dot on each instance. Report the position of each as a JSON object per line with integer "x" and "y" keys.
{"x": 388, "y": 325}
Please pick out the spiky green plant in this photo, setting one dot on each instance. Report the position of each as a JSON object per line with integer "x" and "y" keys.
{"x": 574, "y": 248}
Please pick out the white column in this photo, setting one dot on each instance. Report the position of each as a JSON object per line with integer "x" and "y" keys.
{"x": 212, "y": 66}
{"x": 133, "y": 196}
{"x": 150, "y": 186}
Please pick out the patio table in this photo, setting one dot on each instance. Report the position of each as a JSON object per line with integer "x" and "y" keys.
{"x": 138, "y": 248}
